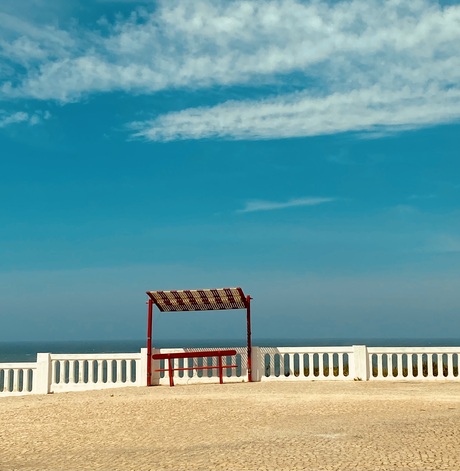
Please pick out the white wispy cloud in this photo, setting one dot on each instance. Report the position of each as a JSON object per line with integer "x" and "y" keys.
{"x": 261, "y": 205}
{"x": 7, "y": 119}
{"x": 302, "y": 114}
{"x": 359, "y": 65}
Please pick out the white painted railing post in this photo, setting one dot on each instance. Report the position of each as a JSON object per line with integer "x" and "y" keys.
{"x": 141, "y": 373}
{"x": 361, "y": 362}
{"x": 42, "y": 376}
{"x": 257, "y": 367}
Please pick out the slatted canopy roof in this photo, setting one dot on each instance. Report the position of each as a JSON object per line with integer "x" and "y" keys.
{"x": 199, "y": 299}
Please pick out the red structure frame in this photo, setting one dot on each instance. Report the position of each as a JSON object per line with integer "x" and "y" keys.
{"x": 198, "y": 300}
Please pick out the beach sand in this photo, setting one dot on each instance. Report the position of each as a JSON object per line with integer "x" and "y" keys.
{"x": 258, "y": 426}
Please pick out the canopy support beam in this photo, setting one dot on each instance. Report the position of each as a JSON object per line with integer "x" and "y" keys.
{"x": 249, "y": 342}
{"x": 149, "y": 342}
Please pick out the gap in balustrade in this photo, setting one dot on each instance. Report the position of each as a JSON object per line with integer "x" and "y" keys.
{"x": 181, "y": 363}
{"x": 277, "y": 364}
{"x": 199, "y": 362}
{"x": 425, "y": 365}
{"x": 228, "y": 371}
{"x": 296, "y": 365}
{"x": 209, "y": 362}
{"x": 266, "y": 363}
{"x": 326, "y": 368}
{"x": 434, "y": 362}
{"x": 385, "y": 365}
{"x": 316, "y": 365}
{"x": 239, "y": 365}
{"x": 286, "y": 365}
{"x": 306, "y": 363}
{"x": 27, "y": 380}
{"x": 393, "y": 366}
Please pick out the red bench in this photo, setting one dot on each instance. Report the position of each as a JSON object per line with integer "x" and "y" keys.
{"x": 205, "y": 354}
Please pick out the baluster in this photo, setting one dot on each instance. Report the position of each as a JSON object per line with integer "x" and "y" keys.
{"x": 379, "y": 365}
{"x": 113, "y": 370}
{"x": 300, "y": 364}
{"x": 53, "y": 372}
{"x": 311, "y": 365}
{"x": 320, "y": 366}
{"x": 429, "y": 361}
{"x": 81, "y": 371}
{"x": 90, "y": 371}
{"x": 282, "y": 370}
{"x": 389, "y": 365}
{"x": 450, "y": 366}
{"x": 62, "y": 367}
{"x": 7, "y": 386}
{"x": 272, "y": 364}
{"x": 419, "y": 365}
{"x": 16, "y": 380}
{"x": 399, "y": 361}
{"x": 100, "y": 372}
{"x": 129, "y": 365}
{"x": 119, "y": 371}
{"x": 410, "y": 366}
{"x": 292, "y": 365}
{"x": 340, "y": 366}
{"x": 330, "y": 363}
{"x": 26, "y": 380}
{"x": 72, "y": 371}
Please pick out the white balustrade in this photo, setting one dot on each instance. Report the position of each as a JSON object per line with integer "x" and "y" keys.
{"x": 16, "y": 378}
{"x": 77, "y": 372}
{"x": 414, "y": 363}
{"x": 305, "y": 363}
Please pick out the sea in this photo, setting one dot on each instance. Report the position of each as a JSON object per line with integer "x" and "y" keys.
{"x": 27, "y": 351}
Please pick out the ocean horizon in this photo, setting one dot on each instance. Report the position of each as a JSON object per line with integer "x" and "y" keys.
{"x": 26, "y": 351}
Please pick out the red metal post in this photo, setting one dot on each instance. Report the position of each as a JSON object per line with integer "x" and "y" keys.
{"x": 149, "y": 342}
{"x": 221, "y": 379}
{"x": 248, "y": 321}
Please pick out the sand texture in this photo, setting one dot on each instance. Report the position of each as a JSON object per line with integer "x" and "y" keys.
{"x": 258, "y": 426}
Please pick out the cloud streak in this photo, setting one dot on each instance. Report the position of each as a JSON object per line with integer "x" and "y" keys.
{"x": 302, "y": 114}
{"x": 359, "y": 65}
{"x": 260, "y": 205}
{"x": 7, "y": 119}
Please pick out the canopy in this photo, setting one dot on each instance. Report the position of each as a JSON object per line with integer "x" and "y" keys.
{"x": 199, "y": 299}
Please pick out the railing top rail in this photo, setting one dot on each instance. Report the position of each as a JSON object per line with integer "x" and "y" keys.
{"x": 96, "y": 356}
{"x": 18, "y": 365}
{"x": 307, "y": 349}
{"x": 439, "y": 350}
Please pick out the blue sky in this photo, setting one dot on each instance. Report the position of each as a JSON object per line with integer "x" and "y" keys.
{"x": 306, "y": 151}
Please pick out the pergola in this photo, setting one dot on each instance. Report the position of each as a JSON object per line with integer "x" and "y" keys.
{"x": 218, "y": 299}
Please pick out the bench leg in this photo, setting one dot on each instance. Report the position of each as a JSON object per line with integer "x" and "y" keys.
{"x": 221, "y": 379}
{"x": 171, "y": 372}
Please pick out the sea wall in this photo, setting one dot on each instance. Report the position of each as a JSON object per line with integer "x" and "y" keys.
{"x": 53, "y": 373}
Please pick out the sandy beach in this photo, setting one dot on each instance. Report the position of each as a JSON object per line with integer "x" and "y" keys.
{"x": 258, "y": 426}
